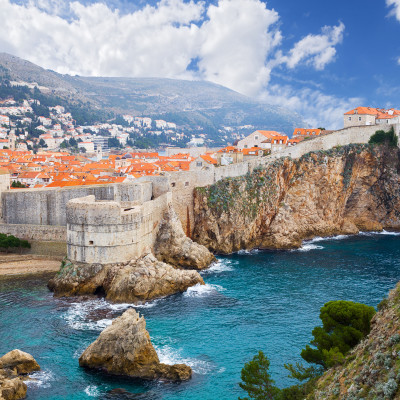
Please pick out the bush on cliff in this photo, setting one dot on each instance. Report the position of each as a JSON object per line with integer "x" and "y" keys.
{"x": 344, "y": 324}
{"x": 381, "y": 137}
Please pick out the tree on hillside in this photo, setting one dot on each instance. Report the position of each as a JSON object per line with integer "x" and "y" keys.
{"x": 344, "y": 324}
{"x": 381, "y": 137}
{"x": 256, "y": 380}
{"x": 42, "y": 143}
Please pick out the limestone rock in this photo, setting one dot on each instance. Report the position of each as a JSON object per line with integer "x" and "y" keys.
{"x": 12, "y": 366}
{"x": 340, "y": 191}
{"x": 139, "y": 280}
{"x": 20, "y": 362}
{"x": 174, "y": 247}
{"x": 124, "y": 348}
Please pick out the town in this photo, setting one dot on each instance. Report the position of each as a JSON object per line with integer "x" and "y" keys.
{"x": 44, "y": 146}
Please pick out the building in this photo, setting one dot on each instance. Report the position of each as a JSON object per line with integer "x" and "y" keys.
{"x": 101, "y": 141}
{"x": 229, "y": 155}
{"x": 88, "y": 146}
{"x": 203, "y": 162}
{"x": 361, "y": 116}
{"x": 262, "y": 139}
{"x": 304, "y": 132}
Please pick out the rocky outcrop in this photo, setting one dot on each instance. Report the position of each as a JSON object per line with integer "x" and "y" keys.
{"x": 124, "y": 348}
{"x": 13, "y": 366}
{"x": 372, "y": 369}
{"x": 136, "y": 281}
{"x": 340, "y": 191}
{"x": 175, "y": 248}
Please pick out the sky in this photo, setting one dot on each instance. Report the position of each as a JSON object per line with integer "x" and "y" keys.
{"x": 317, "y": 58}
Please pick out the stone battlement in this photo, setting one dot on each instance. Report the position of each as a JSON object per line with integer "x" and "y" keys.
{"x": 104, "y": 231}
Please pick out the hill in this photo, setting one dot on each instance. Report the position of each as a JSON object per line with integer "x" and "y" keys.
{"x": 188, "y": 103}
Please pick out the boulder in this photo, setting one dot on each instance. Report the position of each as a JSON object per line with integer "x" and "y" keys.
{"x": 19, "y": 361}
{"x": 174, "y": 247}
{"x": 12, "y": 366}
{"x": 136, "y": 281}
{"x": 124, "y": 348}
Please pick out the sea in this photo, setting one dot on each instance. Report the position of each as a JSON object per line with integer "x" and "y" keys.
{"x": 252, "y": 300}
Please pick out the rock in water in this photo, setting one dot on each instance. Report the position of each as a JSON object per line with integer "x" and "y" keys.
{"x": 175, "y": 248}
{"x": 124, "y": 348}
{"x": 139, "y": 280}
{"x": 12, "y": 365}
{"x": 20, "y": 362}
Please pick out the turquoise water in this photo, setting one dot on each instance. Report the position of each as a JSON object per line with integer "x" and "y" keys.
{"x": 266, "y": 300}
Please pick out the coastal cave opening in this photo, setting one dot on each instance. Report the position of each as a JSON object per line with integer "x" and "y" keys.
{"x": 100, "y": 291}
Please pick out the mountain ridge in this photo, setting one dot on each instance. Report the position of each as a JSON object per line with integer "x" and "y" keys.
{"x": 190, "y": 103}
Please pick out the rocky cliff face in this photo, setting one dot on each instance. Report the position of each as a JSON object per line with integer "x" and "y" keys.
{"x": 175, "y": 248}
{"x": 13, "y": 366}
{"x": 124, "y": 348}
{"x": 372, "y": 369}
{"x": 136, "y": 281}
{"x": 340, "y": 191}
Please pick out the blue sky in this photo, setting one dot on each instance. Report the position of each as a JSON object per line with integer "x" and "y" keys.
{"x": 317, "y": 58}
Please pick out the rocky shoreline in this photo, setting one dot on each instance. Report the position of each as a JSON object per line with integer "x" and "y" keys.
{"x": 14, "y": 368}
{"x": 133, "y": 282}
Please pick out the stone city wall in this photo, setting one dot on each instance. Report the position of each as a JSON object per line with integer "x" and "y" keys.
{"x": 107, "y": 232}
{"x": 35, "y": 232}
{"x": 47, "y": 206}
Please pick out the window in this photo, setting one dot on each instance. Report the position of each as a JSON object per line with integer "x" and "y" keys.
{"x": 91, "y": 242}
{"x": 173, "y": 184}
{"x": 199, "y": 164}
{"x": 256, "y": 137}
{"x": 349, "y": 118}
{"x": 359, "y": 118}
{"x": 186, "y": 183}
{"x": 245, "y": 146}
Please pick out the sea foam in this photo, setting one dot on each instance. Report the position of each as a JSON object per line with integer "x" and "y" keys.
{"x": 203, "y": 290}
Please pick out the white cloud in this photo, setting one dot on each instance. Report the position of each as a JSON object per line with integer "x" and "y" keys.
{"x": 396, "y": 7}
{"x": 235, "y": 42}
{"x": 317, "y": 108}
{"x": 316, "y": 50}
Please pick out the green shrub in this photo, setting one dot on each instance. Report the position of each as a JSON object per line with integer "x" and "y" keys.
{"x": 381, "y": 137}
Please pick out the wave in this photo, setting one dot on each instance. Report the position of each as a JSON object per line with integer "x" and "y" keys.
{"x": 92, "y": 391}
{"x": 170, "y": 356}
{"x": 203, "y": 290}
{"x": 248, "y": 252}
{"x": 308, "y": 247}
{"x": 383, "y": 232}
{"x": 78, "y": 314}
{"x": 40, "y": 379}
{"x": 219, "y": 266}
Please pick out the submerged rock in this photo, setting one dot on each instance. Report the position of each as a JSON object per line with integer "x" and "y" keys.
{"x": 139, "y": 280}
{"x": 12, "y": 366}
{"x": 175, "y": 248}
{"x": 124, "y": 348}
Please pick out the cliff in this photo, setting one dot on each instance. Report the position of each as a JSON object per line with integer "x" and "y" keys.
{"x": 340, "y": 191}
{"x": 124, "y": 348}
{"x": 372, "y": 369}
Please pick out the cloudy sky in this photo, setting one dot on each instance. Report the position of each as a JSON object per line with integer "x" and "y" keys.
{"x": 319, "y": 58}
